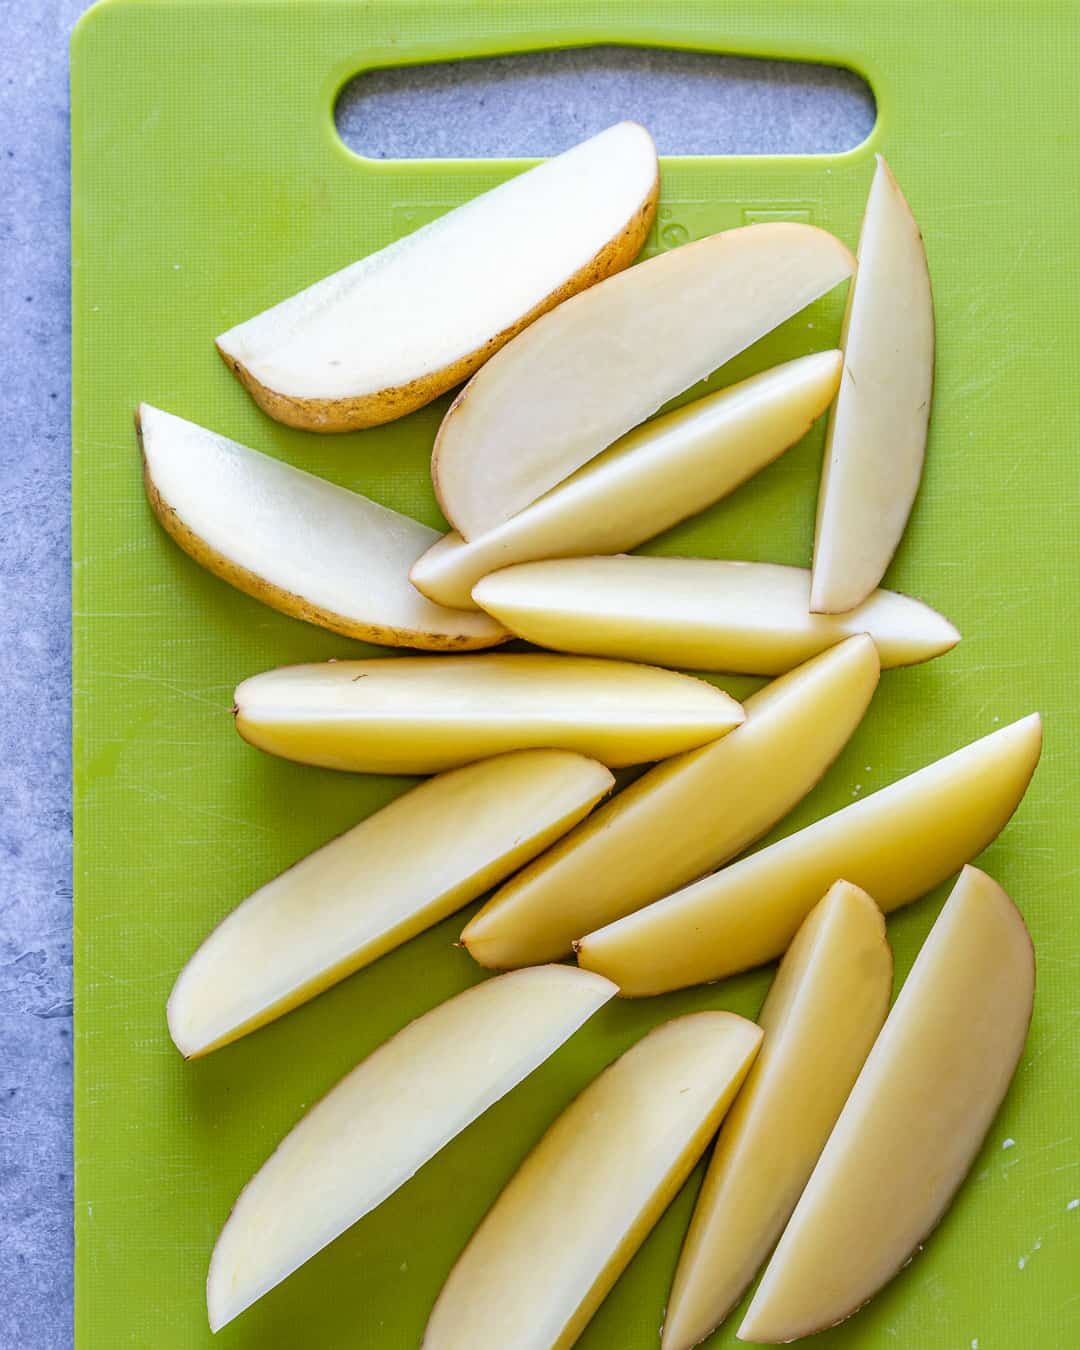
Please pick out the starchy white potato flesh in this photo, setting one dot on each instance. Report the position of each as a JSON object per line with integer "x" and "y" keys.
{"x": 897, "y": 844}
{"x": 649, "y": 480}
{"x": 389, "y": 333}
{"x": 699, "y": 613}
{"x": 387, "y": 1118}
{"x": 684, "y": 817}
{"x": 426, "y": 714}
{"x": 914, "y": 1121}
{"x": 582, "y": 376}
{"x": 876, "y": 441}
{"x": 580, "y": 1205}
{"x": 307, "y": 547}
{"x": 401, "y": 870}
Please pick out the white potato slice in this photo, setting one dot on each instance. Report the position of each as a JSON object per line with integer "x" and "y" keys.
{"x": 426, "y": 714}
{"x": 387, "y": 1118}
{"x": 401, "y": 870}
{"x": 302, "y": 545}
{"x": 876, "y": 441}
{"x": 583, "y": 1201}
{"x": 914, "y": 1121}
{"x": 897, "y": 844}
{"x": 699, "y": 613}
{"x": 391, "y": 332}
{"x": 585, "y": 374}
{"x": 649, "y": 480}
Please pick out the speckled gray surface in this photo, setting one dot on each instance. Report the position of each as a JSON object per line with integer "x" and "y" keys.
{"x": 692, "y": 104}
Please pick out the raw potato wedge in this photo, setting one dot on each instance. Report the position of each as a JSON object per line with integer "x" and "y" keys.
{"x": 387, "y": 1118}
{"x": 426, "y": 714}
{"x": 403, "y": 869}
{"x": 914, "y": 1121}
{"x": 582, "y": 1202}
{"x": 396, "y": 329}
{"x": 601, "y": 363}
{"x": 699, "y": 613}
{"x": 302, "y": 545}
{"x": 876, "y": 441}
{"x": 683, "y": 818}
{"x": 647, "y": 481}
{"x": 897, "y": 844}
{"x": 822, "y": 1015}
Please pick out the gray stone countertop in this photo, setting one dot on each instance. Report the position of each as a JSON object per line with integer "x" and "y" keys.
{"x": 510, "y": 106}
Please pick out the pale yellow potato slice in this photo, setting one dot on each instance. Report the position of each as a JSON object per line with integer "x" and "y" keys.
{"x": 391, "y": 332}
{"x": 876, "y": 441}
{"x": 699, "y": 613}
{"x": 426, "y": 714}
{"x": 387, "y": 1118}
{"x": 683, "y": 818}
{"x": 396, "y": 873}
{"x": 601, "y": 363}
{"x": 897, "y": 844}
{"x": 914, "y": 1121}
{"x": 649, "y": 480}
{"x": 583, "y": 1201}
{"x": 823, "y": 1012}
{"x": 302, "y": 545}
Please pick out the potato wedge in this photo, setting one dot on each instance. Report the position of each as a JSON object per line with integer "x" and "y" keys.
{"x": 897, "y": 844}
{"x": 401, "y": 870}
{"x": 302, "y": 545}
{"x": 604, "y": 361}
{"x": 391, "y": 332}
{"x": 684, "y": 817}
{"x": 582, "y": 1202}
{"x": 914, "y": 1121}
{"x": 649, "y": 480}
{"x": 387, "y": 1118}
{"x": 699, "y": 614}
{"x": 426, "y": 714}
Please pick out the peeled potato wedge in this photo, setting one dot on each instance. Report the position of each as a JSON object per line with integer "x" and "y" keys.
{"x": 391, "y": 332}
{"x": 684, "y": 817}
{"x": 914, "y": 1121}
{"x": 604, "y": 361}
{"x": 401, "y": 870}
{"x": 649, "y": 480}
{"x": 582, "y": 1202}
{"x": 897, "y": 844}
{"x": 426, "y": 714}
{"x": 302, "y": 545}
{"x": 387, "y": 1118}
{"x": 876, "y": 440}
{"x": 699, "y": 613}
{"x": 822, "y": 1014}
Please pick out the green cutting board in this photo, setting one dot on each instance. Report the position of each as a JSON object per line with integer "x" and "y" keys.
{"x": 208, "y": 182}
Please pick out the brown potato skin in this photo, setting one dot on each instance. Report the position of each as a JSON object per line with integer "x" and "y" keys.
{"x": 327, "y": 416}
{"x": 295, "y": 606}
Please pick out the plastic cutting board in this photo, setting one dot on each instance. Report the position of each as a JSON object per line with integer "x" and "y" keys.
{"x": 208, "y": 183}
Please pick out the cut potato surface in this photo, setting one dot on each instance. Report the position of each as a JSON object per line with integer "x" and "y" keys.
{"x": 403, "y": 869}
{"x": 914, "y": 1121}
{"x": 396, "y": 329}
{"x": 426, "y": 714}
{"x": 302, "y": 545}
{"x": 699, "y": 613}
{"x": 823, "y": 1012}
{"x": 580, "y": 1205}
{"x": 604, "y": 361}
{"x": 387, "y": 1118}
{"x": 683, "y": 818}
{"x": 897, "y": 844}
{"x": 649, "y": 480}
{"x": 876, "y": 441}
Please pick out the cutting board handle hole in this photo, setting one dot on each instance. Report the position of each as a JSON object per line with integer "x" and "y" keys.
{"x": 539, "y": 103}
